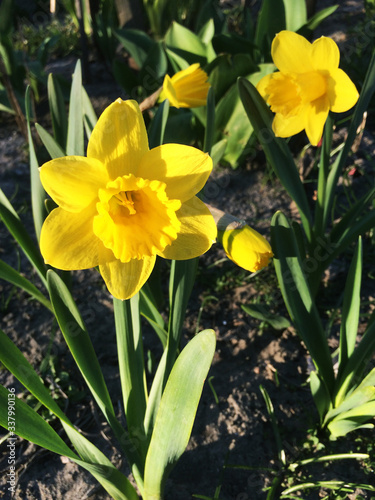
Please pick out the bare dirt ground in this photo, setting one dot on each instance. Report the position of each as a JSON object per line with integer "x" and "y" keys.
{"x": 236, "y": 429}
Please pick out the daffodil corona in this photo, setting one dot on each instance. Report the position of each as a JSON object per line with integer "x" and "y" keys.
{"x": 187, "y": 88}
{"x": 307, "y": 86}
{"x": 124, "y": 204}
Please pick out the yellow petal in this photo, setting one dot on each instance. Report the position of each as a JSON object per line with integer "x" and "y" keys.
{"x": 286, "y": 126}
{"x": 197, "y": 233}
{"x": 316, "y": 117}
{"x": 342, "y": 93}
{"x": 119, "y": 139}
{"x": 124, "y": 280}
{"x": 180, "y": 75}
{"x": 73, "y": 182}
{"x": 183, "y": 169}
{"x": 246, "y": 247}
{"x": 263, "y": 84}
{"x": 325, "y": 54}
{"x": 187, "y": 88}
{"x": 291, "y": 53}
{"x": 169, "y": 92}
{"x": 191, "y": 87}
{"x": 67, "y": 240}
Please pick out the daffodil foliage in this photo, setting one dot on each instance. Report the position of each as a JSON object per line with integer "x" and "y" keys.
{"x": 307, "y": 86}
{"x": 123, "y": 204}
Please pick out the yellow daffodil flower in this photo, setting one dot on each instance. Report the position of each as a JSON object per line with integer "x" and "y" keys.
{"x": 187, "y": 88}
{"x": 242, "y": 244}
{"x": 124, "y": 204}
{"x": 307, "y": 86}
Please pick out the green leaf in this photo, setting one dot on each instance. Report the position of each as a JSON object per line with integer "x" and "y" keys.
{"x": 74, "y": 143}
{"x": 295, "y": 14}
{"x": 224, "y": 70}
{"x": 136, "y": 42}
{"x": 260, "y": 312}
{"x": 9, "y": 274}
{"x": 351, "y": 308}
{"x": 353, "y": 419}
{"x": 316, "y": 19}
{"x": 271, "y": 20}
{"x": 38, "y": 194}
{"x": 158, "y": 124}
{"x": 276, "y": 150}
{"x": 58, "y": 112}
{"x": 210, "y": 122}
{"x": 54, "y": 150}
{"x": 6, "y": 18}
{"x": 154, "y": 69}
{"x": 186, "y": 44}
{"x": 177, "y": 411}
{"x": 367, "y": 91}
{"x": 356, "y": 364}
{"x": 31, "y": 426}
{"x": 80, "y": 345}
{"x": 19, "y": 233}
{"x": 89, "y": 116}
{"x": 218, "y": 151}
{"x": 298, "y": 298}
{"x": 320, "y": 394}
{"x": 149, "y": 311}
{"x": 132, "y": 376}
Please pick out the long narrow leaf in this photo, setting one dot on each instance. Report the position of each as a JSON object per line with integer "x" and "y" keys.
{"x": 351, "y": 308}
{"x": 298, "y": 298}
{"x": 53, "y": 148}
{"x": 210, "y": 123}
{"x": 177, "y": 411}
{"x": 89, "y": 115}
{"x": 19, "y": 233}
{"x": 58, "y": 112}
{"x": 31, "y": 426}
{"x": 74, "y": 144}
{"x": 276, "y": 150}
{"x": 132, "y": 374}
{"x": 9, "y": 274}
{"x": 38, "y": 194}
{"x": 158, "y": 124}
{"x": 366, "y": 94}
{"x": 356, "y": 364}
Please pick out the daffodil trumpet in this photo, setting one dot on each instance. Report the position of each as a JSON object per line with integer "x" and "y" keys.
{"x": 123, "y": 205}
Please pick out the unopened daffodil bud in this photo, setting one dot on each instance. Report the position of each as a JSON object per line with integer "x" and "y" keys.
{"x": 187, "y": 88}
{"x": 242, "y": 244}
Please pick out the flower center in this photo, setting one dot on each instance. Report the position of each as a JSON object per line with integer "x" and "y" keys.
{"x": 120, "y": 200}
{"x": 288, "y": 92}
{"x": 136, "y": 218}
{"x": 311, "y": 85}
